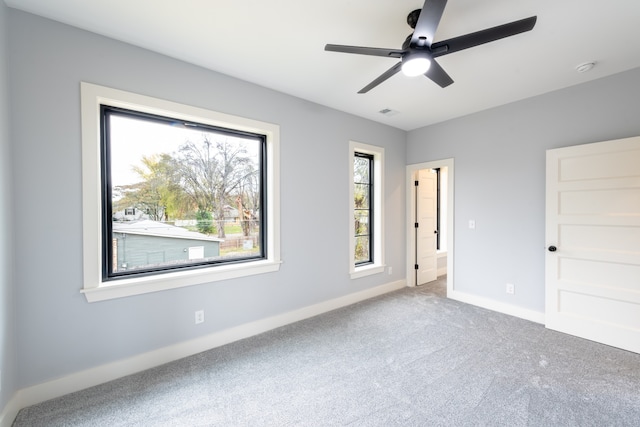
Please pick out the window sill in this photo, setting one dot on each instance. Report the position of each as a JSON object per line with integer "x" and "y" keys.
{"x": 142, "y": 285}
{"x": 366, "y": 270}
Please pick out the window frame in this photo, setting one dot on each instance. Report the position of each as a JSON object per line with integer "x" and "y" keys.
{"x": 377, "y": 264}
{"x": 95, "y": 288}
{"x": 108, "y": 112}
{"x": 371, "y": 197}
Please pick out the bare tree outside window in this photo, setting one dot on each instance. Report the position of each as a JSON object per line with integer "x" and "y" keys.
{"x": 214, "y": 173}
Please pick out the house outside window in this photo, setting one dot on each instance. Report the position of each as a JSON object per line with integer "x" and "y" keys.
{"x": 366, "y": 241}
{"x": 156, "y": 210}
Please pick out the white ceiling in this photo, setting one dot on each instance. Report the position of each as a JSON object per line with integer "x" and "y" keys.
{"x": 279, "y": 44}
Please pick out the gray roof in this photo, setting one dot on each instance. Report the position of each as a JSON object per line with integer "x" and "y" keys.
{"x": 154, "y": 228}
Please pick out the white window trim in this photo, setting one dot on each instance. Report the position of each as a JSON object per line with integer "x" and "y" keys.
{"x": 378, "y": 265}
{"x": 94, "y": 288}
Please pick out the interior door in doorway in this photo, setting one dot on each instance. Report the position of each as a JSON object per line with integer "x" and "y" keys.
{"x": 593, "y": 242}
{"x": 426, "y": 226}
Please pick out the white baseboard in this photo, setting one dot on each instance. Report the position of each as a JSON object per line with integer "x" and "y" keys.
{"x": 512, "y": 310}
{"x": 10, "y": 412}
{"x": 111, "y": 371}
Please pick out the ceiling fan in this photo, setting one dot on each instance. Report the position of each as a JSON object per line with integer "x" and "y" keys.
{"x": 419, "y": 51}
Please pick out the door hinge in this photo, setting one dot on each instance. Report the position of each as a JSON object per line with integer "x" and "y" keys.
{"x": 416, "y": 225}
{"x": 416, "y": 183}
{"x": 416, "y": 266}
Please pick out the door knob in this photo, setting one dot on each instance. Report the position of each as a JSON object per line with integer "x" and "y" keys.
{"x": 552, "y": 249}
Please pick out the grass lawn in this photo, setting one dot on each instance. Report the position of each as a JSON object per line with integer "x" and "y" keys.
{"x": 232, "y": 229}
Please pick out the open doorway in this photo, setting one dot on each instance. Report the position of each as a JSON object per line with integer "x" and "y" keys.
{"x": 431, "y": 245}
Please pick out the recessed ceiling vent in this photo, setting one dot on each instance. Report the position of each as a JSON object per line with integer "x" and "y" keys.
{"x": 585, "y": 66}
{"x": 388, "y": 112}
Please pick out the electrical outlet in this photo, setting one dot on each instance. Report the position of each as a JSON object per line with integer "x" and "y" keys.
{"x": 472, "y": 224}
{"x": 511, "y": 288}
{"x": 199, "y": 316}
{"x": 390, "y": 270}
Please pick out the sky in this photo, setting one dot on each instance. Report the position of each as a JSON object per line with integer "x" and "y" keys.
{"x": 132, "y": 138}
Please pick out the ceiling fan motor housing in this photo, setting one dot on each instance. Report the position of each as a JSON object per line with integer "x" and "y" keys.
{"x": 412, "y": 18}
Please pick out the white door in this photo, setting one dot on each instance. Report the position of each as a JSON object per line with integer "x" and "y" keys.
{"x": 593, "y": 242}
{"x": 426, "y": 214}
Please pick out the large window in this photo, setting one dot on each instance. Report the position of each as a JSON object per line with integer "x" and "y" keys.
{"x": 174, "y": 195}
{"x": 191, "y": 185}
{"x": 366, "y": 209}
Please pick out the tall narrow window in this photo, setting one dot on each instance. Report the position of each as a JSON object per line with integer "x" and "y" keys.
{"x": 366, "y": 210}
{"x": 363, "y": 198}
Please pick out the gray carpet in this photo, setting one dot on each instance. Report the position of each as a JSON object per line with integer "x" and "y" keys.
{"x": 409, "y": 358}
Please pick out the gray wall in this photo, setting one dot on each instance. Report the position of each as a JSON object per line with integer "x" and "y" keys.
{"x": 7, "y": 332}
{"x": 58, "y": 331}
{"x": 500, "y": 177}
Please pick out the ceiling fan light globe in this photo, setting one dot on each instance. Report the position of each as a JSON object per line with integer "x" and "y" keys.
{"x": 415, "y": 66}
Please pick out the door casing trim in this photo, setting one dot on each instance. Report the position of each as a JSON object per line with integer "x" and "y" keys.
{"x": 410, "y": 218}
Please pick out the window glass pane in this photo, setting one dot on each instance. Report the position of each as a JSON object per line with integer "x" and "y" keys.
{"x": 179, "y": 194}
{"x": 361, "y": 196}
{"x": 362, "y": 250}
{"x": 361, "y": 222}
{"x": 361, "y": 169}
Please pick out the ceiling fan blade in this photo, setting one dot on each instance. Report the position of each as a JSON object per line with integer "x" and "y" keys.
{"x": 438, "y": 75}
{"x": 384, "y": 76}
{"x": 456, "y": 44}
{"x": 372, "y": 51}
{"x": 428, "y": 22}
